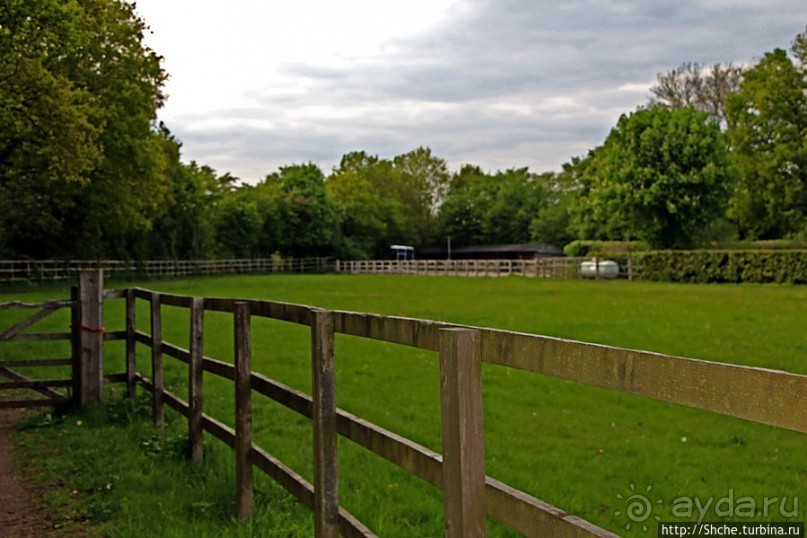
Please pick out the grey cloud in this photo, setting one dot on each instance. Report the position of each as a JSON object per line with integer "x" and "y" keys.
{"x": 520, "y": 53}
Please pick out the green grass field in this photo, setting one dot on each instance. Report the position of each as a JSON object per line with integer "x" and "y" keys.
{"x": 580, "y": 448}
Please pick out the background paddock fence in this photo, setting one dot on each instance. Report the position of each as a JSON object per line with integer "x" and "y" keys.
{"x": 39, "y": 270}
{"x": 540, "y": 267}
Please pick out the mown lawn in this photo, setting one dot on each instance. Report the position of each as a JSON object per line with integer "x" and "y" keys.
{"x": 580, "y": 448}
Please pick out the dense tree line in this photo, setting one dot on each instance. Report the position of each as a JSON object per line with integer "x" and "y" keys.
{"x": 85, "y": 170}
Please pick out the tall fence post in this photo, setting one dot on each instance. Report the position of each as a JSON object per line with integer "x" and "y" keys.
{"x": 157, "y": 360}
{"x": 131, "y": 343}
{"x": 243, "y": 412}
{"x": 75, "y": 343}
{"x": 195, "y": 380}
{"x": 91, "y": 336}
{"x": 463, "y": 440}
{"x": 326, "y": 485}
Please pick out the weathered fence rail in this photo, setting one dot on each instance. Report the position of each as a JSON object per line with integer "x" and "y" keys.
{"x": 37, "y": 270}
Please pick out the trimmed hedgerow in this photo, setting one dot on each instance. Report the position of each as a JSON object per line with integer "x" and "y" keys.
{"x": 703, "y": 266}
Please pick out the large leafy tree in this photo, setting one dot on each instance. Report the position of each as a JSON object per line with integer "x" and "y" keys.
{"x": 425, "y": 179}
{"x": 372, "y": 212}
{"x": 82, "y": 171}
{"x": 485, "y": 208}
{"x": 299, "y": 216}
{"x": 768, "y": 134}
{"x": 661, "y": 176}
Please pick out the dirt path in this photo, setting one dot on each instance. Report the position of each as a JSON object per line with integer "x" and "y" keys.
{"x": 20, "y": 515}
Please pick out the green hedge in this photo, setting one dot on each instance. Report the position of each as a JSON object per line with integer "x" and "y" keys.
{"x": 760, "y": 266}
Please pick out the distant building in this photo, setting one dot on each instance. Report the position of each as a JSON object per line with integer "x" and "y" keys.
{"x": 523, "y": 251}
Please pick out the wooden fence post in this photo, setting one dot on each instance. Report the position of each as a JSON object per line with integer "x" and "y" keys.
{"x": 195, "y": 380}
{"x": 75, "y": 344}
{"x": 157, "y": 360}
{"x": 91, "y": 336}
{"x": 131, "y": 344}
{"x": 243, "y": 412}
{"x": 463, "y": 440}
{"x": 326, "y": 485}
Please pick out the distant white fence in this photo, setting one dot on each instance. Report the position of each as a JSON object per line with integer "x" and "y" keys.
{"x": 540, "y": 267}
{"x": 36, "y": 270}
{"x": 554, "y": 267}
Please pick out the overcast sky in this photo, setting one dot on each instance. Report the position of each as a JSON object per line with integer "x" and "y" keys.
{"x": 257, "y": 84}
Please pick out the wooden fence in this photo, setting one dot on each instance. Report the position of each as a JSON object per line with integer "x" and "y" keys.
{"x": 37, "y": 270}
{"x": 765, "y": 396}
{"x": 86, "y": 337}
{"x": 769, "y": 397}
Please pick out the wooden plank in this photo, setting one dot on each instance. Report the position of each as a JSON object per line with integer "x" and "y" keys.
{"x": 418, "y": 460}
{"x": 219, "y": 368}
{"x": 176, "y": 352}
{"x": 45, "y": 391}
{"x": 292, "y": 313}
{"x": 114, "y": 335}
{"x": 19, "y": 305}
{"x": 418, "y": 333}
{"x": 75, "y": 343}
{"x": 24, "y": 324}
{"x": 131, "y": 343}
{"x": 143, "y": 338}
{"x": 195, "y": 380}
{"x": 349, "y": 526}
{"x": 287, "y": 396}
{"x": 463, "y": 433}
{"x": 174, "y": 402}
{"x": 115, "y": 378}
{"x": 284, "y": 475}
{"x": 243, "y": 411}
{"x": 767, "y": 396}
{"x": 157, "y": 360}
{"x": 533, "y": 517}
{"x": 91, "y": 337}
{"x": 36, "y": 384}
{"x": 269, "y": 309}
{"x": 36, "y": 362}
{"x": 326, "y": 490}
{"x": 219, "y": 430}
{"x": 115, "y": 294}
{"x": 40, "y": 337}
{"x": 141, "y": 293}
{"x": 182, "y": 301}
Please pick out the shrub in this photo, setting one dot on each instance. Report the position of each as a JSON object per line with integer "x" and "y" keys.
{"x": 705, "y": 266}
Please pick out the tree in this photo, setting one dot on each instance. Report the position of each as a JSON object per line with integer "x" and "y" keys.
{"x": 661, "y": 176}
{"x": 302, "y": 216}
{"x": 367, "y": 191}
{"x": 768, "y": 134}
{"x": 690, "y": 85}
{"x": 78, "y": 153}
{"x": 424, "y": 185}
{"x": 481, "y": 208}
{"x": 552, "y": 225}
